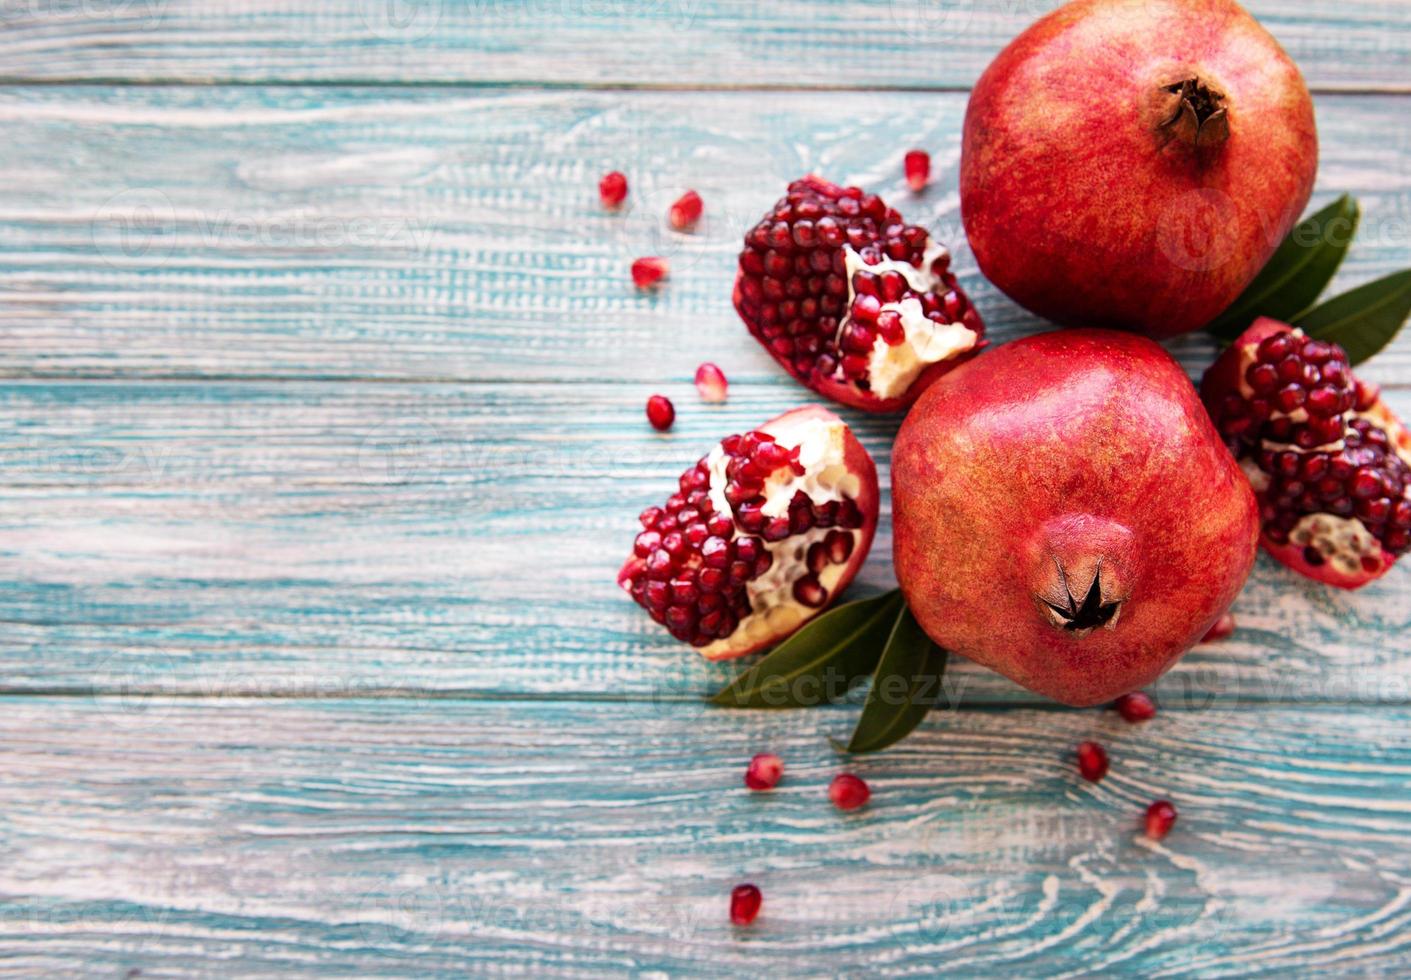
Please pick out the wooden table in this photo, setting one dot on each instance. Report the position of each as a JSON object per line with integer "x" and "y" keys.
{"x": 322, "y": 441}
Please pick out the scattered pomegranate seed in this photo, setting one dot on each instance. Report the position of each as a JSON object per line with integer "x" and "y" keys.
{"x": 613, "y": 190}
{"x": 660, "y": 412}
{"x": 1160, "y": 818}
{"x": 764, "y": 771}
{"x": 1137, "y": 706}
{"x": 1223, "y": 627}
{"x": 711, "y": 383}
{"x": 918, "y": 169}
{"x": 1092, "y": 761}
{"x": 848, "y": 792}
{"x": 745, "y": 901}
{"x": 647, "y": 272}
{"x": 685, "y": 212}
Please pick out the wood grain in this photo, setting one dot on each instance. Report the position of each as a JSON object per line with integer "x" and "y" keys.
{"x": 338, "y": 538}
{"x": 398, "y": 233}
{"x": 439, "y": 837}
{"x": 1358, "y": 44}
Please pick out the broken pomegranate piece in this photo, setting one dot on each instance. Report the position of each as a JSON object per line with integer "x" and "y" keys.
{"x": 764, "y": 531}
{"x": 1329, "y": 463}
{"x": 853, "y": 302}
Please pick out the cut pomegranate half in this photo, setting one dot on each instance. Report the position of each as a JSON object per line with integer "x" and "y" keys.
{"x": 853, "y": 302}
{"x": 1330, "y": 464}
{"x": 765, "y": 530}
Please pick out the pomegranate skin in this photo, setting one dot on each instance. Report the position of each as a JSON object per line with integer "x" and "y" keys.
{"x": 1082, "y": 205}
{"x": 1065, "y": 514}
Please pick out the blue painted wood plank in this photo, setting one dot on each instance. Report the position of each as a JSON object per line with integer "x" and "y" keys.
{"x": 1356, "y": 44}
{"x": 400, "y": 233}
{"x": 343, "y": 538}
{"x": 438, "y": 837}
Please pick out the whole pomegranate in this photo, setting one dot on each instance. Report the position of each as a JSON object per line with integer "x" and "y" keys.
{"x": 1134, "y": 163}
{"x": 853, "y": 302}
{"x": 1331, "y": 465}
{"x": 762, "y": 533}
{"x": 1065, "y": 513}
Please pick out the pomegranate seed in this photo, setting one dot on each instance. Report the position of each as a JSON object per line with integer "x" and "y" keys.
{"x": 613, "y": 190}
{"x": 660, "y": 412}
{"x": 1160, "y": 818}
{"x": 1136, "y": 706}
{"x": 745, "y": 901}
{"x": 764, "y": 771}
{"x": 1223, "y": 627}
{"x": 647, "y": 272}
{"x": 1092, "y": 761}
{"x": 685, "y": 212}
{"x": 711, "y": 383}
{"x": 848, "y": 792}
{"x": 918, "y": 169}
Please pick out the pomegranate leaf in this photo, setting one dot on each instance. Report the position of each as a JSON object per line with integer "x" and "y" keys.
{"x": 821, "y": 661}
{"x": 1363, "y": 320}
{"x": 1297, "y": 272}
{"x": 905, "y": 686}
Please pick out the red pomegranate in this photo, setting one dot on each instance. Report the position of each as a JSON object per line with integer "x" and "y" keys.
{"x": 853, "y": 302}
{"x": 763, "y": 532}
{"x": 1134, "y": 163}
{"x": 1330, "y": 464}
{"x": 1065, "y": 513}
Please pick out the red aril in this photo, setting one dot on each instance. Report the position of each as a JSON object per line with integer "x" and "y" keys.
{"x": 1092, "y": 761}
{"x": 711, "y": 384}
{"x": 760, "y": 535}
{"x": 848, "y": 792}
{"x": 1223, "y": 628}
{"x": 648, "y": 271}
{"x": 852, "y": 301}
{"x": 918, "y": 169}
{"x": 764, "y": 771}
{"x": 613, "y": 190}
{"x": 1160, "y": 818}
{"x": 1136, "y": 706}
{"x": 660, "y": 412}
{"x": 685, "y": 212}
{"x": 1329, "y": 462}
{"x": 745, "y": 902}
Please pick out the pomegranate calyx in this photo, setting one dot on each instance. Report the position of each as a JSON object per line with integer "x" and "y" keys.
{"x": 1097, "y": 607}
{"x": 1196, "y": 114}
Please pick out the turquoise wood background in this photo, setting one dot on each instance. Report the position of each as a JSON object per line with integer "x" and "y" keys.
{"x": 321, "y": 439}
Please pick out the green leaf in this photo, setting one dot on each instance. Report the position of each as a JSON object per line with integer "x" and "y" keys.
{"x": 1363, "y": 320}
{"x": 821, "y": 661}
{"x": 905, "y": 686}
{"x": 1294, "y": 276}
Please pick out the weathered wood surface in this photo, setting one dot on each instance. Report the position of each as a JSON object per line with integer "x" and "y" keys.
{"x": 1355, "y": 44}
{"x": 321, "y": 409}
{"x": 337, "y": 538}
{"x": 436, "y": 837}
{"x": 446, "y": 234}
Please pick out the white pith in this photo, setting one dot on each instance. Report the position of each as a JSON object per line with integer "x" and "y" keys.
{"x": 826, "y": 477}
{"x": 1342, "y": 541}
{"x": 892, "y": 369}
